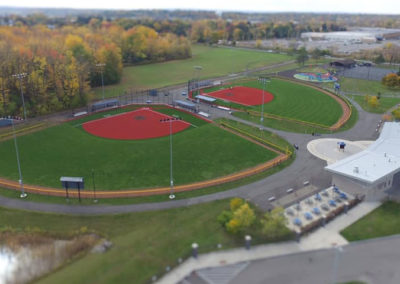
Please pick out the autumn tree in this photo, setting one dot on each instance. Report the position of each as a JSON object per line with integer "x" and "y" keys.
{"x": 373, "y": 101}
{"x": 391, "y": 80}
{"x": 239, "y": 218}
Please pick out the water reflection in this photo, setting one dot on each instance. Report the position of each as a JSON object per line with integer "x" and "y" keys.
{"x": 8, "y": 262}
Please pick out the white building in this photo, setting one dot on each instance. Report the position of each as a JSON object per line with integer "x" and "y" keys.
{"x": 357, "y": 35}
{"x": 373, "y": 171}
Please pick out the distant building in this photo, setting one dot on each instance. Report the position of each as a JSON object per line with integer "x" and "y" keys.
{"x": 346, "y": 63}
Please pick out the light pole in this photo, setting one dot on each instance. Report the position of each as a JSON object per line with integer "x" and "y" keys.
{"x": 170, "y": 120}
{"x": 263, "y": 81}
{"x": 94, "y": 188}
{"x": 197, "y": 69}
{"x": 21, "y": 183}
{"x": 20, "y": 76}
{"x": 101, "y": 65}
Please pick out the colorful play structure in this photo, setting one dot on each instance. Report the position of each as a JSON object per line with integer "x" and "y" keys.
{"x": 315, "y": 77}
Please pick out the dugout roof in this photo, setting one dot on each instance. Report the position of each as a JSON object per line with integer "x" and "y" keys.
{"x": 204, "y": 98}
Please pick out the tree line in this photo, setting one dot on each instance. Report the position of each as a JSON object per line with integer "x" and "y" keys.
{"x": 60, "y": 65}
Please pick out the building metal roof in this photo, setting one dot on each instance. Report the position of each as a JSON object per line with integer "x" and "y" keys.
{"x": 204, "y": 98}
{"x": 379, "y": 160}
{"x": 184, "y": 103}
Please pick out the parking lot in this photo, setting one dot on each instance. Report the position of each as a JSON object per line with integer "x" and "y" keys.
{"x": 316, "y": 208}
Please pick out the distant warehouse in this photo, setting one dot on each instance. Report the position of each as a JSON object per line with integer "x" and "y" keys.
{"x": 355, "y": 35}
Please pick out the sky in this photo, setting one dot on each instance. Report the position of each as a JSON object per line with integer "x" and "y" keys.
{"x": 347, "y": 6}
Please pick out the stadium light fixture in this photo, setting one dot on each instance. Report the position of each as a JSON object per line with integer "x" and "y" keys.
{"x": 20, "y": 76}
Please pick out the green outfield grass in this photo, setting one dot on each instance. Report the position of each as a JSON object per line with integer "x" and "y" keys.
{"x": 200, "y": 153}
{"x": 383, "y": 221}
{"x": 266, "y": 135}
{"x": 295, "y": 101}
{"x": 215, "y": 61}
{"x": 384, "y": 104}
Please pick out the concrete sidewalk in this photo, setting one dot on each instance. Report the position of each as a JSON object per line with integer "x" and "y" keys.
{"x": 324, "y": 237}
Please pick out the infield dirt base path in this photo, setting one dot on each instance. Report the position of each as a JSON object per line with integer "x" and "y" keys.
{"x": 242, "y": 95}
{"x": 143, "y": 123}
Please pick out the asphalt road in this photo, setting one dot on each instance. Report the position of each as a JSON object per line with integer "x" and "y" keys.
{"x": 374, "y": 262}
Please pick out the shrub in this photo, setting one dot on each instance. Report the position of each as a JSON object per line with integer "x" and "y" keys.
{"x": 225, "y": 217}
{"x": 235, "y": 203}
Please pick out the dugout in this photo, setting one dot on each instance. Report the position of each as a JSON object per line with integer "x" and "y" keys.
{"x": 184, "y": 104}
{"x": 105, "y": 104}
{"x": 205, "y": 99}
{"x": 5, "y": 122}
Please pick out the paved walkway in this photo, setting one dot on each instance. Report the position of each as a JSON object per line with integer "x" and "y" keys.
{"x": 327, "y": 149}
{"x": 326, "y": 237}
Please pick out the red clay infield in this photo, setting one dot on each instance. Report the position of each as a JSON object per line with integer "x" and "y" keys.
{"x": 143, "y": 123}
{"x": 242, "y": 95}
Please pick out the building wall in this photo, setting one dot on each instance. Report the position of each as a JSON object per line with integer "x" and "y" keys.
{"x": 372, "y": 192}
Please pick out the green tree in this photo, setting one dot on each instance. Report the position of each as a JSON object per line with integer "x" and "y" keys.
{"x": 245, "y": 215}
{"x": 302, "y": 56}
{"x": 379, "y": 59}
{"x": 396, "y": 114}
{"x": 239, "y": 220}
{"x": 316, "y": 54}
{"x": 274, "y": 224}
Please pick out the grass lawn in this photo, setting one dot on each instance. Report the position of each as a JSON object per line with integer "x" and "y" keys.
{"x": 384, "y": 104}
{"x": 200, "y": 153}
{"x": 365, "y": 87}
{"x": 215, "y": 61}
{"x": 271, "y": 137}
{"x": 295, "y": 101}
{"x": 383, "y": 221}
{"x": 296, "y": 127}
{"x": 143, "y": 243}
{"x": 313, "y": 69}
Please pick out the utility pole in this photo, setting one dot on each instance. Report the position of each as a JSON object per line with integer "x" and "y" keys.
{"x": 20, "y": 76}
{"x": 263, "y": 81}
{"x": 101, "y": 65}
{"x": 197, "y": 75}
{"x": 170, "y": 121}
